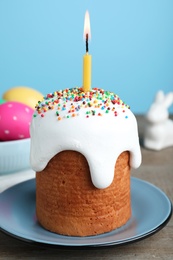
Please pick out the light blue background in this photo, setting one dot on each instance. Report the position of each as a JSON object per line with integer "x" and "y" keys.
{"x": 41, "y": 46}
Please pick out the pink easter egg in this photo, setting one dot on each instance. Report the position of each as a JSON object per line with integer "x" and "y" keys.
{"x": 15, "y": 119}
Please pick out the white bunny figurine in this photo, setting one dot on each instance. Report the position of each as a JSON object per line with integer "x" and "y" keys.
{"x": 159, "y": 128}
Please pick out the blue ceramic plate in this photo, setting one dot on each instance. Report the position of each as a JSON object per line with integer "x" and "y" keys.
{"x": 151, "y": 210}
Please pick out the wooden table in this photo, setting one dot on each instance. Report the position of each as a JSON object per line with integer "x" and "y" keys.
{"x": 157, "y": 168}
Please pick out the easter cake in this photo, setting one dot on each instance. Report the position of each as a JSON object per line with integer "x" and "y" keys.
{"x": 83, "y": 145}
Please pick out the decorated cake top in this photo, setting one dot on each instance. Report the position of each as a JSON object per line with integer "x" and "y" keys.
{"x": 96, "y": 123}
{"x": 74, "y": 102}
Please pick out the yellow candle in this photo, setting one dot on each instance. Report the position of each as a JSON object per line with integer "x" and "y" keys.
{"x": 87, "y": 57}
{"x": 86, "y": 72}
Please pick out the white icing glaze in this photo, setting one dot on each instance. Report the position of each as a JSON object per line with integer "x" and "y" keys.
{"x": 101, "y": 139}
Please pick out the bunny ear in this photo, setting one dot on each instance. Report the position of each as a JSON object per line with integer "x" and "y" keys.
{"x": 159, "y": 97}
{"x": 168, "y": 99}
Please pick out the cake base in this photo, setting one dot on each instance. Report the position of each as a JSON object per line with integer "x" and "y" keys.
{"x": 68, "y": 203}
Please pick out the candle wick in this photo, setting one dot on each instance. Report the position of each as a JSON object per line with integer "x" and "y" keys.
{"x": 87, "y": 48}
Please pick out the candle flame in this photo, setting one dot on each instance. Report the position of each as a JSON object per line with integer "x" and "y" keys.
{"x": 87, "y": 29}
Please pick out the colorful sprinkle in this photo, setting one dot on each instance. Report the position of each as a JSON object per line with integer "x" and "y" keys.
{"x": 69, "y": 102}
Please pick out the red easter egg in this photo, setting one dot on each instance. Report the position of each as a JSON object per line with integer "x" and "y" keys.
{"x": 15, "y": 119}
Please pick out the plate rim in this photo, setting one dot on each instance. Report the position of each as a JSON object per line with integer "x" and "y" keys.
{"x": 96, "y": 245}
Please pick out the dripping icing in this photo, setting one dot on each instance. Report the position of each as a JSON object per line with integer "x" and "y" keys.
{"x": 101, "y": 139}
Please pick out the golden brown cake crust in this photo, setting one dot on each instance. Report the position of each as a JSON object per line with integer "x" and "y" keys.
{"x": 68, "y": 203}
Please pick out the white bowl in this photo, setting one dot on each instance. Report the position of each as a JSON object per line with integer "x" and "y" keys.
{"x": 14, "y": 156}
